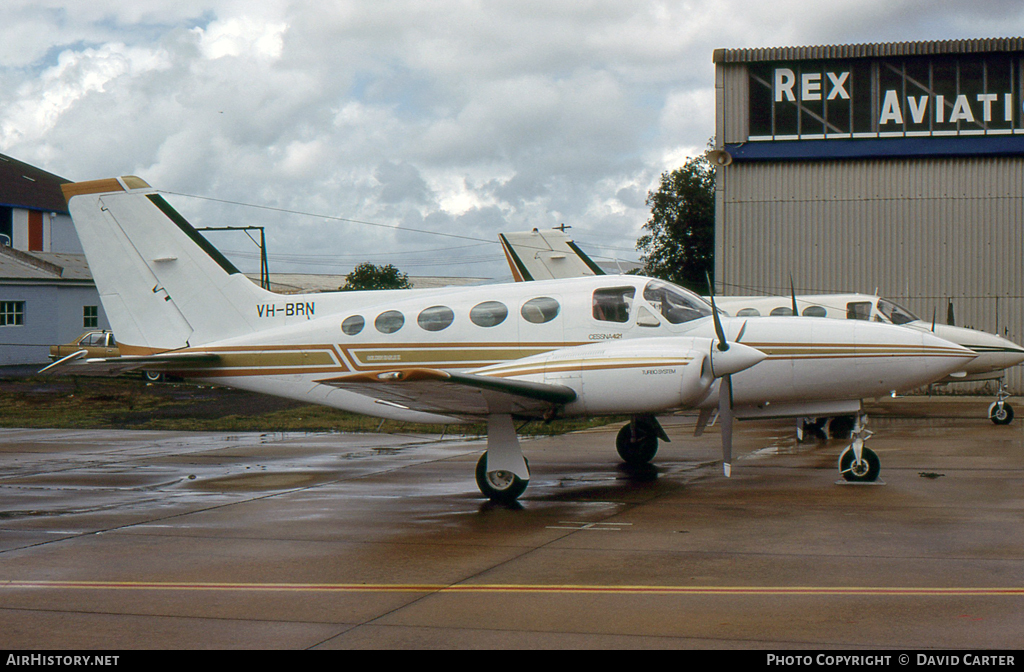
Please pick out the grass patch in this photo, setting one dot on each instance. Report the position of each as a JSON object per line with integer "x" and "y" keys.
{"x": 131, "y": 403}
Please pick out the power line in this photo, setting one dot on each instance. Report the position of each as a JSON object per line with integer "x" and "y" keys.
{"x": 330, "y": 217}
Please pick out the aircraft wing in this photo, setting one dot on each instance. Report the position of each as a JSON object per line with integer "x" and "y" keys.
{"x": 79, "y": 363}
{"x": 436, "y": 391}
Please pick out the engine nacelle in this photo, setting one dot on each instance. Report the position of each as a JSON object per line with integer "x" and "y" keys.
{"x": 630, "y": 377}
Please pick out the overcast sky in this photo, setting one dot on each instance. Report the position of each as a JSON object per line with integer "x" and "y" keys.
{"x": 467, "y": 118}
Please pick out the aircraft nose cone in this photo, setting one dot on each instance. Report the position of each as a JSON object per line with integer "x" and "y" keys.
{"x": 737, "y": 358}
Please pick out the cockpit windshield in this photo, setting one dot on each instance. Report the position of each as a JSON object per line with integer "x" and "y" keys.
{"x": 896, "y": 314}
{"x": 675, "y": 304}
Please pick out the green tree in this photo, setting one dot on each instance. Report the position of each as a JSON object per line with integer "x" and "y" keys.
{"x": 679, "y": 243}
{"x": 371, "y": 276}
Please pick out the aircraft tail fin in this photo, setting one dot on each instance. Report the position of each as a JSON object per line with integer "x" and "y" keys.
{"x": 163, "y": 286}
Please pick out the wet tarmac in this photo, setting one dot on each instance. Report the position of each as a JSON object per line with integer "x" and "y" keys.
{"x": 146, "y": 540}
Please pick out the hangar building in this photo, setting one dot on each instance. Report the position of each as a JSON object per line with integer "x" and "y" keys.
{"x": 893, "y": 169}
{"x": 47, "y": 295}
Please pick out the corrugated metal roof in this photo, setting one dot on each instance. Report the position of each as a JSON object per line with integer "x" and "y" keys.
{"x": 19, "y": 265}
{"x": 25, "y": 186}
{"x": 876, "y": 50}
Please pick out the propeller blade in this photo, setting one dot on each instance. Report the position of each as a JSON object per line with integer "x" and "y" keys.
{"x": 723, "y": 345}
{"x": 725, "y": 416}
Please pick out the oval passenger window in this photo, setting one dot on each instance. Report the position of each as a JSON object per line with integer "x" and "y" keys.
{"x": 435, "y": 318}
{"x": 488, "y": 314}
{"x": 540, "y": 310}
{"x": 353, "y": 325}
{"x": 389, "y": 322}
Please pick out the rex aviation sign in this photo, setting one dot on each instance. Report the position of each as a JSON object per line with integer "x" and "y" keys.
{"x": 922, "y": 97}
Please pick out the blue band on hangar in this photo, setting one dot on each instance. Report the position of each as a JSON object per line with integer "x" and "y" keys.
{"x": 878, "y": 148}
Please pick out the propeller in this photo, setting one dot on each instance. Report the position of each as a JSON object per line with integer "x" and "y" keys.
{"x": 728, "y": 359}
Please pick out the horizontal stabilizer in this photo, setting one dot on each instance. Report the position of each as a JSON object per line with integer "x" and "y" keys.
{"x": 79, "y": 364}
{"x": 433, "y": 391}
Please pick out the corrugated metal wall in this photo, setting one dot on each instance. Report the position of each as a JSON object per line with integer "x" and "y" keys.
{"x": 920, "y": 232}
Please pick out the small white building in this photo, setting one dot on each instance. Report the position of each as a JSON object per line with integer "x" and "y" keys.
{"x": 47, "y": 295}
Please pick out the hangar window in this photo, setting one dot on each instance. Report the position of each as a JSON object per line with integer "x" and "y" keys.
{"x": 748, "y": 312}
{"x": 90, "y": 317}
{"x": 488, "y": 314}
{"x": 612, "y": 304}
{"x": 781, "y": 310}
{"x": 389, "y": 321}
{"x": 675, "y": 303}
{"x": 12, "y": 313}
{"x": 435, "y": 318}
{"x": 353, "y": 325}
{"x": 540, "y": 310}
{"x": 858, "y": 310}
{"x": 814, "y": 311}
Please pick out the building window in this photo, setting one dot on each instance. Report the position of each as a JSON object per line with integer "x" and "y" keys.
{"x": 90, "y": 317}
{"x": 12, "y": 313}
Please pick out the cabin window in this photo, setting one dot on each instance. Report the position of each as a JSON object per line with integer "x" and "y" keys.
{"x": 435, "y": 318}
{"x": 540, "y": 310}
{"x": 781, "y": 311}
{"x": 488, "y": 314}
{"x": 748, "y": 312}
{"x": 814, "y": 311}
{"x": 353, "y": 325}
{"x": 389, "y": 322}
{"x": 858, "y": 310}
{"x": 612, "y": 304}
{"x": 12, "y": 313}
{"x": 675, "y": 303}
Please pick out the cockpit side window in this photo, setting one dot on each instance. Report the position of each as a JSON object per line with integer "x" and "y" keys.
{"x": 612, "y": 304}
{"x": 896, "y": 314}
{"x": 858, "y": 310}
{"x": 675, "y": 303}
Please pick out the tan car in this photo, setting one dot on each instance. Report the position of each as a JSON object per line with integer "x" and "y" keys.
{"x": 98, "y": 343}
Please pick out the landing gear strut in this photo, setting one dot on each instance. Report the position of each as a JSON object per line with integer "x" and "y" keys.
{"x": 1000, "y": 412}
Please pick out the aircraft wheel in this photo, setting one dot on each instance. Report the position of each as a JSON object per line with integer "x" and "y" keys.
{"x": 1001, "y": 416}
{"x": 153, "y": 376}
{"x": 865, "y": 471}
{"x": 640, "y": 451}
{"x": 499, "y": 486}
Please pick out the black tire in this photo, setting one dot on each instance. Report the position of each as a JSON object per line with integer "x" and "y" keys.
{"x": 499, "y": 486}
{"x": 639, "y": 451}
{"x": 153, "y": 376}
{"x": 1001, "y": 416}
{"x": 866, "y": 471}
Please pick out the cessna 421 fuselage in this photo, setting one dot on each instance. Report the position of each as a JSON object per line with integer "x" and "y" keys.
{"x": 612, "y": 345}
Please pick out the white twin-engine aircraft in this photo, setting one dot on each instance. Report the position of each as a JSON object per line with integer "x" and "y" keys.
{"x": 611, "y": 345}
{"x": 544, "y": 255}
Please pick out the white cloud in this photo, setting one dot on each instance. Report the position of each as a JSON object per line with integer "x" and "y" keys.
{"x": 482, "y": 116}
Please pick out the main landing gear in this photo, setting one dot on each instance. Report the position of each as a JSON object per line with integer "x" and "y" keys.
{"x": 637, "y": 442}
{"x": 502, "y": 473}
